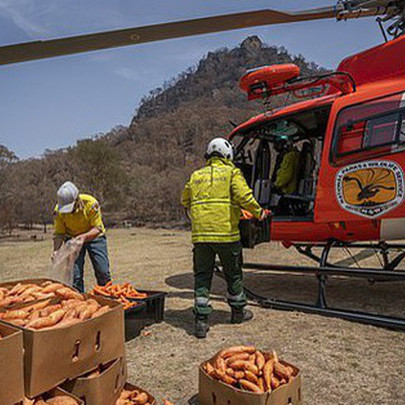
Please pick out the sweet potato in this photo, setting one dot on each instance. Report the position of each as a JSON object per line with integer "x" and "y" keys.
{"x": 19, "y": 322}
{"x": 52, "y": 287}
{"x": 37, "y": 305}
{"x": 260, "y": 384}
{"x": 230, "y": 372}
{"x": 91, "y": 307}
{"x": 251, "y": 377}
{"x": 247, "y": 385}
{"x": 239, "y": 356}
{"x": 282, "y": 371}
{"x": 48, "y": 321}
{"x": 267, "y": 372}
{"x": 16, "y": 314}
{"x": 239, "y": 375}
{"x": 67, "y": 293}
{"x": 225, "y": 377}
{"x": 220, "y": 364}
{"x": 142, "y": 398}
{"x": 235, "y": 350}
{"x": 61, "y": 400}
{"x": 260, "y": 361}
{"x": 48, "y": 310}
{"x": 275, "y": 383}
{"x": 101, "y": 311}
{"x": 238, "y": 364}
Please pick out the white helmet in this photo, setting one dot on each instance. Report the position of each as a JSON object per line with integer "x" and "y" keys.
{"x": 221, "y": 146}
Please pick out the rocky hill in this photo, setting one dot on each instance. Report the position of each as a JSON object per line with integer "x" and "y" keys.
{"x": 138, "y": 171}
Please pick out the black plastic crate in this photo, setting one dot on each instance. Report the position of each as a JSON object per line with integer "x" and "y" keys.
{"x": 254, "y": 232}
{"x": 155, "y": 305}
{"x": 135, "y": 321}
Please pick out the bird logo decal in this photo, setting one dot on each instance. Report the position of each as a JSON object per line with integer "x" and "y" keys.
{"x": 370, "y": 188}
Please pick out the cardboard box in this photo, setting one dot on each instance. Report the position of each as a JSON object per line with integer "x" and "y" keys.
{"x": 54, "y": 355}
{"x": 12, "y": 365}
{"x": 131, "y": 387}
{"x": 58, "y": 392}
{"x": 104, "y": 388}
{"x": 214, "y": 392}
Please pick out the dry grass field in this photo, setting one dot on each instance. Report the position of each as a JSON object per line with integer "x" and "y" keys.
{"x": 342, "y": 362}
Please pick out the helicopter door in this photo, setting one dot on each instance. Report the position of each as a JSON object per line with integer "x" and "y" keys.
{"x": 254, "y": 232}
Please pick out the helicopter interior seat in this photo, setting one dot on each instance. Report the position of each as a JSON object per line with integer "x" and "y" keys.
{"x": 301, "y": 202}
{"x": 306, "y": 173}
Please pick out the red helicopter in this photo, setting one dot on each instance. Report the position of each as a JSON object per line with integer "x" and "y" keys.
{"x": 347, "y": 126}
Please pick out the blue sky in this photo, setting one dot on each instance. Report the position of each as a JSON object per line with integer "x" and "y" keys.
{"x": 49, "y": 104}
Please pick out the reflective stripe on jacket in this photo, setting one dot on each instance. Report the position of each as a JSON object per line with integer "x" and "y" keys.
{"x": 215, "y": 195}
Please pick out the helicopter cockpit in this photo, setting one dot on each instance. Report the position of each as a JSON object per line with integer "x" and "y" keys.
{"x": 288, "y": 148}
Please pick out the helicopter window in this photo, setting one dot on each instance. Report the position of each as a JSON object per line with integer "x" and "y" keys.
{"x": 381, "y": 131}
{"x": 369, "y": 129}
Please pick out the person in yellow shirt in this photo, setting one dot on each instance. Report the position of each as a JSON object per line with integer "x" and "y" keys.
{"x": 213, "y": 197}
{"x": 79, "y": 216}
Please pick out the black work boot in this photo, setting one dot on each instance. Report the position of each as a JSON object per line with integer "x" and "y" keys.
{"x": 201, "y": 327}
{"x": 241, "y": 315}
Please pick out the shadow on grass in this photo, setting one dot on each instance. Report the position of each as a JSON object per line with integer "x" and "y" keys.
{"x": 185, "y": 281}
{"x": 184, "y": 319}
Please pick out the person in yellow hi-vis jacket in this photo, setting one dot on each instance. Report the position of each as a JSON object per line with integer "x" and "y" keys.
{"x": 79, "y": 216}
{"x": 286, "y": 170}
{"x": 214, "y": 197}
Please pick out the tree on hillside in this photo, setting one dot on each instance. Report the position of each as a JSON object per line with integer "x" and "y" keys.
{"x": 98, "y": 168}
{"x": 7, "y": 197}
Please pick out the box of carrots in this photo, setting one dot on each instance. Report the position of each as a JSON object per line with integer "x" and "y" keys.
{"x": 12, "y": 365}
{"x": 64, "y": 335}
{"x": 243, "y": 375}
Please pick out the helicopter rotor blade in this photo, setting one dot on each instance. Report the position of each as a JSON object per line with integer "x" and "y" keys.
{"x": 132, "y": 36}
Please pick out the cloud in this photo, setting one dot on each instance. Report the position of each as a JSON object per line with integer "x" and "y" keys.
{"x": 128, "y": 73}
{"x": 24, "y": 15}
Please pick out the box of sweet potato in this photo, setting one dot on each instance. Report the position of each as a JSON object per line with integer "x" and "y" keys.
{"x": 132, "y": 395}
{"x": 243, "y": 375}
{"x": 65, "y": 336}
{"x": 103, "y": 385}
{"x": 57, "y": 396}
{"x": 12, "y": 365}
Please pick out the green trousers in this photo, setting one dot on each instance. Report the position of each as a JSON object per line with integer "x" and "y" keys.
{"x": 230, "y": 255}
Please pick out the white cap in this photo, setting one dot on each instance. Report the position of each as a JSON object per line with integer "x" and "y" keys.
{"x": 221, "y": 146}
{"x": 67, "y": 195}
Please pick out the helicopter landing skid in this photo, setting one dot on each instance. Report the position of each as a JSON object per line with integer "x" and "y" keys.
{"x": 322, "y": 273}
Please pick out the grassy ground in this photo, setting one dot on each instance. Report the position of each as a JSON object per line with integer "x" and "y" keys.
{"x": 342, "y": 362}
